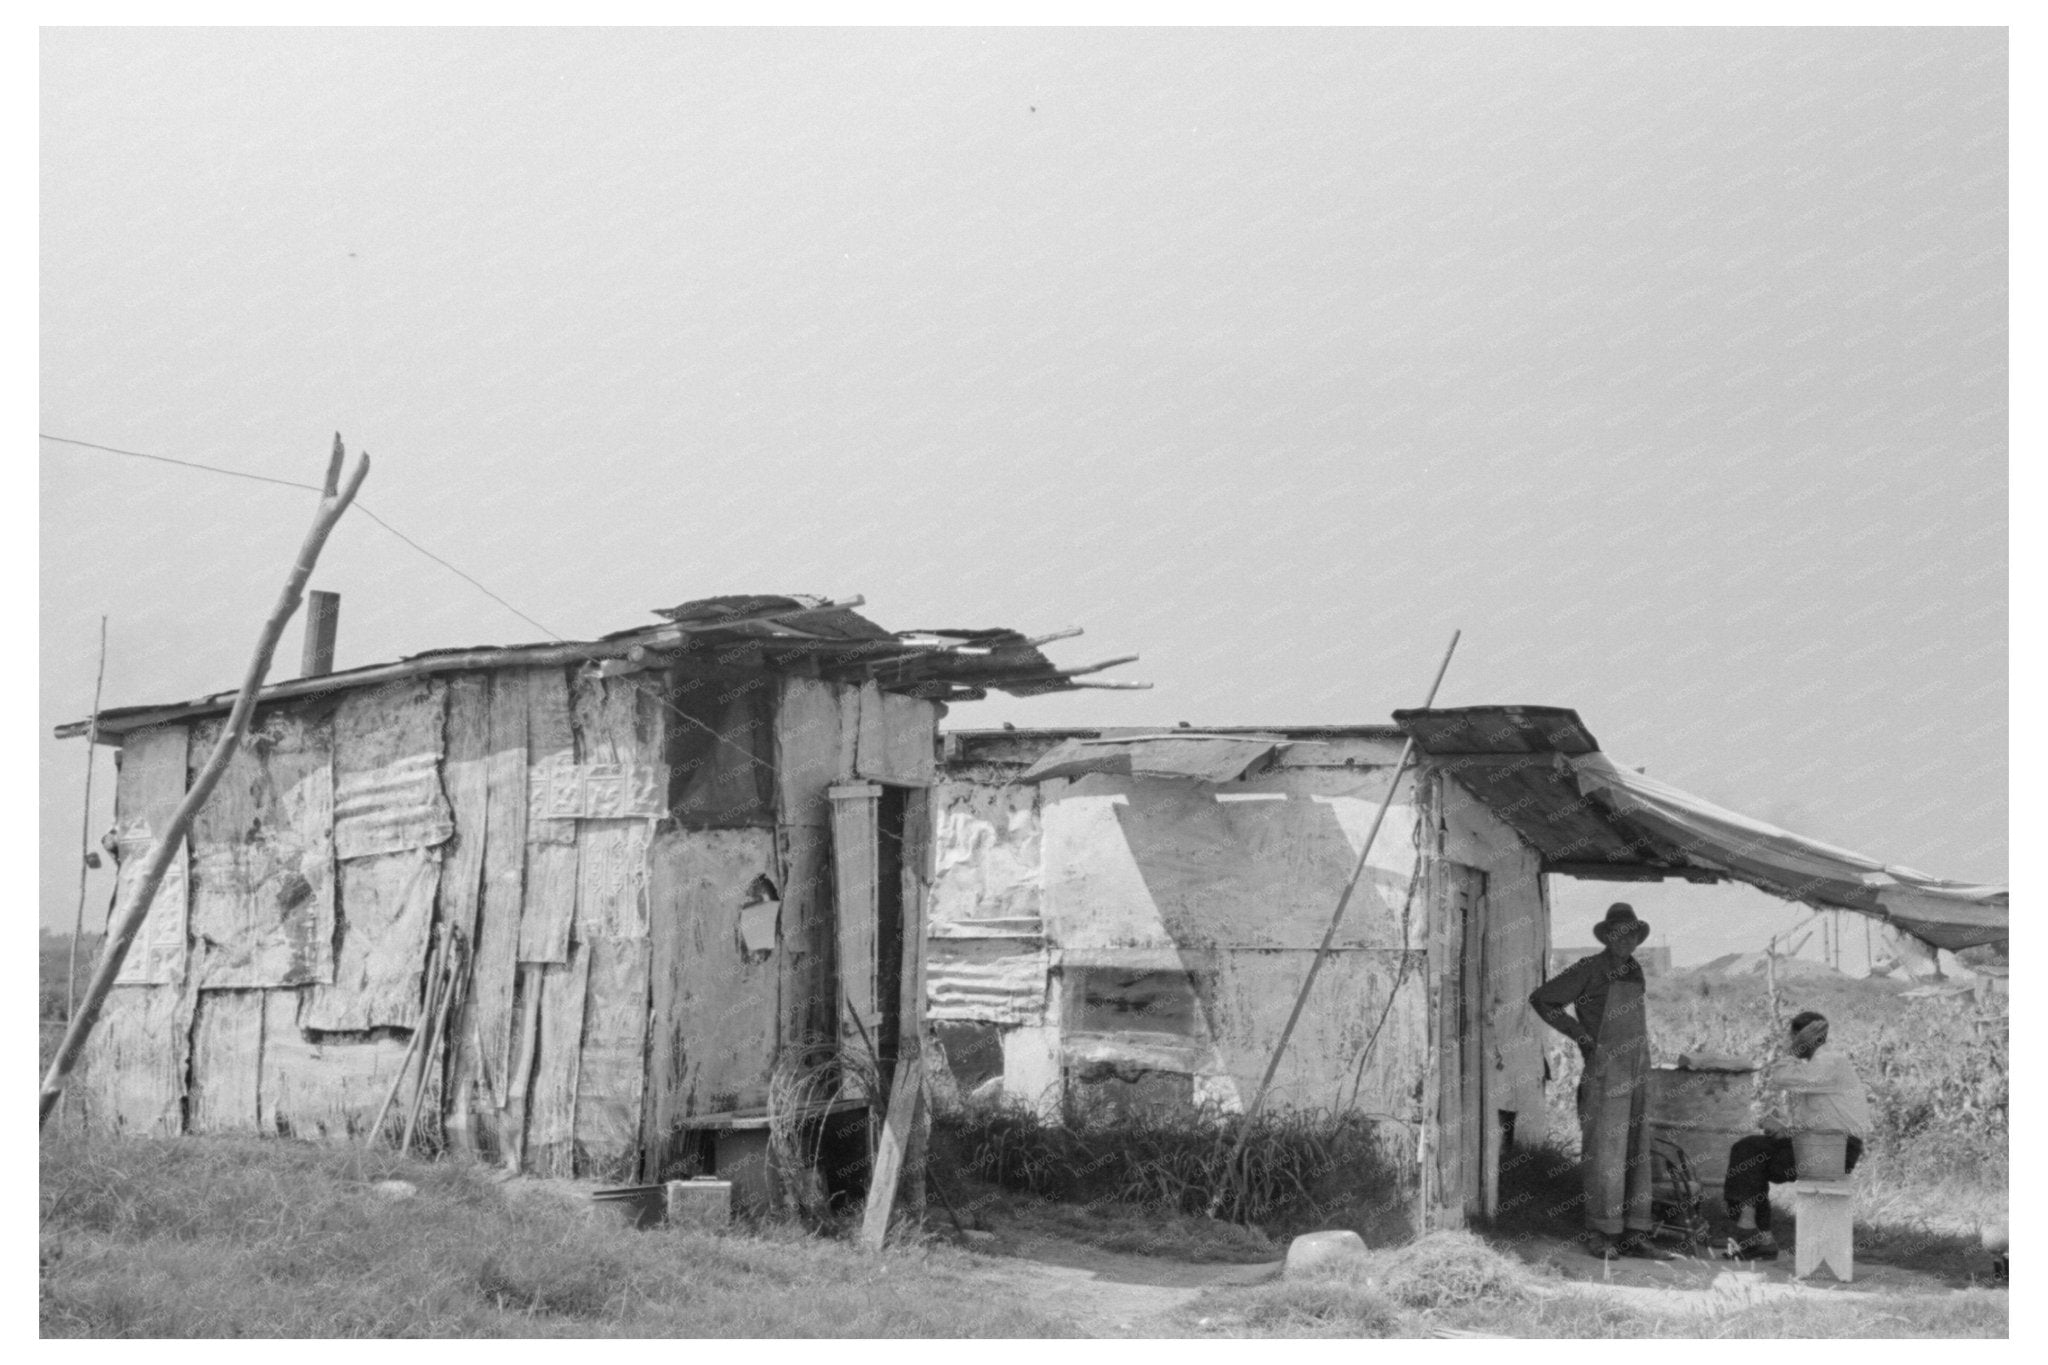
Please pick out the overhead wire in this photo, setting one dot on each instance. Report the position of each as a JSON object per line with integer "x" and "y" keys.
{"x": 293, "y": 483}
{"x": 359, "y": 505}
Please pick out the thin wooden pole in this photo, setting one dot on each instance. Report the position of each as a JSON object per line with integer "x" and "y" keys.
{"x": 446, "y": 999}
{"x": 413, "y": 1044}
{"x": 334, "y": 500}
{"x": 92, "y": 740}
{"x": 1315, "y": 965}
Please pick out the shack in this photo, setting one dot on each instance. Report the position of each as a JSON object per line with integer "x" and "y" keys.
{"x": 640, "y": 870}
{"x": 1121, "y": 918}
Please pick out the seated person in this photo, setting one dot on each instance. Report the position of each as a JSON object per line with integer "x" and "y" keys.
{"x": 1813, "y": 1094}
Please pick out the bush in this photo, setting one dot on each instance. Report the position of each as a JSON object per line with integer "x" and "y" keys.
{"x": 1296, "y": 1170}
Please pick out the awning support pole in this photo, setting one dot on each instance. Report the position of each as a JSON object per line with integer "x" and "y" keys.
{"x": 334, "y": 500}
{"x": 1315, "y": 965}
{"x": 85, "y": 855}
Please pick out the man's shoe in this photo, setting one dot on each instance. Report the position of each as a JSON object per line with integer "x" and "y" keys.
{"x": 1756, "y": 1246}
{"x": 1599, "y": 1245}
{"x": 1639, "y": 1245}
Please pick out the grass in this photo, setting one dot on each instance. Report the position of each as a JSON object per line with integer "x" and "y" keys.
{"x": 228, "y": 1237}
{"x": 217, "y": 1237}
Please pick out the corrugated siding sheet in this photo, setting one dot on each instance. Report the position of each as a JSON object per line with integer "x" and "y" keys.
{"x": 994, "y": 976}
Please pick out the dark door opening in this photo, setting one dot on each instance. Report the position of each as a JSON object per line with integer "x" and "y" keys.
{"x": 890, "y": 816}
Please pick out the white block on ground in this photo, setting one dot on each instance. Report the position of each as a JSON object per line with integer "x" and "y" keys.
{"x": 1315, "y": 1250}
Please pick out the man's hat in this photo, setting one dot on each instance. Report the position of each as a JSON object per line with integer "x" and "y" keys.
{"x": 1621, "y": 922}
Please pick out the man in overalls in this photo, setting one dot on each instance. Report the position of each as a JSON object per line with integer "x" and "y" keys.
{"x": 1605, "y": 993}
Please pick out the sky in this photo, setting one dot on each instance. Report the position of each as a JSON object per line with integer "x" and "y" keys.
{"x": 1669, "y": 365}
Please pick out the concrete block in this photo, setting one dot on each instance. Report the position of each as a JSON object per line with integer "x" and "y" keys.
{"x": 1317, "y": 1250}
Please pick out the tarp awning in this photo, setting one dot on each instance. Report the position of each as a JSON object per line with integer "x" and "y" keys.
{"x": 1541, "y": 771}
{"x": 1944, "y": 913}
{"x": 1179, "y": 754}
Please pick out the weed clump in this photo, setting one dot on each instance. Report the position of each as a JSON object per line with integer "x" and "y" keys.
{"x": 1448, "y": 1270}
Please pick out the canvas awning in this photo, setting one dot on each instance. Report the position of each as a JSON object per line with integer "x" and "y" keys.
{"x": 1185, "y": 754}
{"x": 1541, "y": 771}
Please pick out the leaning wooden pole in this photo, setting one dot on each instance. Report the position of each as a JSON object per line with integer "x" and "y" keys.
{"x": 1315, "y": 964}
{"x": 334, "y": 500}
{"x": 85, "y": 858}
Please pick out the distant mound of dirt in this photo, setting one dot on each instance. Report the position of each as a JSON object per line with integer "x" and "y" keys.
{"x": 1756, "y": 964}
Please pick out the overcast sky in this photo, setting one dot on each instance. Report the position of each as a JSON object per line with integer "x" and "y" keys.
{"x": 1668, "y": 364}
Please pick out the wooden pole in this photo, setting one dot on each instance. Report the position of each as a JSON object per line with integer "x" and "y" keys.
{"x": 1315, "y": 964}
{"x": 334, "y": 500}
{"x": 316, "y": 651}
{"x": 92, "y": 741}
{"x": 447, "y": 999}
{"x": 904, "y": 1097}
{"x": 412, "y": 1044}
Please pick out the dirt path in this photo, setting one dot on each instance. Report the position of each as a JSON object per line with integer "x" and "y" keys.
{"x": 1108, "y": 1293}
{"x": 1694, "y": 1281}
{"x": 1115, "y": 1294}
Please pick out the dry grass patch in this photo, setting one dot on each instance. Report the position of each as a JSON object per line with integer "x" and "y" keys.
{"x": 208, "y": 1237}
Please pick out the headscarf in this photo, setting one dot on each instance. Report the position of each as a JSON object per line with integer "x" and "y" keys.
{"x": 1806, "y": 1040}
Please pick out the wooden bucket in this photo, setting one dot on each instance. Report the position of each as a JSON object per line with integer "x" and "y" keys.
{"x": 1703, "y": 1112}
{"x": 1820, "y": 1154}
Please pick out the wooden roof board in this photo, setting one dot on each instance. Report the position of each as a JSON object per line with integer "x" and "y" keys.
{"x": 1498, "y": 730}
{"x": 753, "y": 632}
{"x": 1541, "y": 801}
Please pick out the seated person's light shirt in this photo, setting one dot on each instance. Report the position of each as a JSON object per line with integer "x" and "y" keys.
{"x": 1823, "y": 1094}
